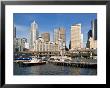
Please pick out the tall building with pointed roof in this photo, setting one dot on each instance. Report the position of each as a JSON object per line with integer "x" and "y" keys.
{"x": 34, "y": 34}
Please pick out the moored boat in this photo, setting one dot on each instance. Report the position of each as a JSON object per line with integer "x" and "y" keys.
{"x": 34, "y": 61}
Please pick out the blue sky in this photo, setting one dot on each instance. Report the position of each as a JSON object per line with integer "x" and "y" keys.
{"x": 47, "y": 22}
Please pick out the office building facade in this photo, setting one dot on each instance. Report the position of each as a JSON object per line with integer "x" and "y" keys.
{"x": 42, "y": 46}
{"x": 76, "y": 36}
{"x": 46, "y": 36}
{"x": 60, "y": 34}
{"x": 94, "y": 29}
{"x": 20, "y": 44}
{"x": 92, "y": 35}
{"x": 14, "y": 38}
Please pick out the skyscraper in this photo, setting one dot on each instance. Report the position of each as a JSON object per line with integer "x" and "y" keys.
{"x": 14, "y": 32}
{"x": 14, "y": 38}
{"x": 56, "y": 36}
{"x": 92, "y": 35}
{"x": 94, "y": 29}
{"x": 46, "y": 36}
{"x": 70, "y": 45}
{"x": 89, "y": 34}
{"x": 20, "y": 44}
{"x": 76, "y": 36}
{"x": 62, "y": 34}
{"x": 59, "y": 34}
{"x": 81, "y": 40}
{"x": 33, "y": 34}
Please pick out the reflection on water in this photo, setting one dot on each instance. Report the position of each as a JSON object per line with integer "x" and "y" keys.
{"x": 50, "y": 69}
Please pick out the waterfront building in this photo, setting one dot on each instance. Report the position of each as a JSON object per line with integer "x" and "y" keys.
{"x": 39, "y": 45}
{"x": 42, "y": 46}
{"x": 26, "y": 45}
{"x": 93, "y": 43}
{"x": 34, "y": 34}
{"x": 20, "y": 44}
{"x": 76, "y": 36}
{"x": 46, "y": 36}
{"x": 55, "y": 47}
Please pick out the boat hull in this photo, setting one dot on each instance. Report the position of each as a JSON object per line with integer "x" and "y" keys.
{"x": 33, "y": 64}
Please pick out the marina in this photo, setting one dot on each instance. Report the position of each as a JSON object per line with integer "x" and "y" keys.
{"x": 54, "y": 52}
{"x": 77, "y": 64}
{"x": 61, "y": 61}
{"x": 52, "y": 69}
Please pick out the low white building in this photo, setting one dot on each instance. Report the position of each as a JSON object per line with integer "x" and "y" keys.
{"x": 42, "y": 46}
{"x": 27, "y": 45}
{"x": 93, "y": 43}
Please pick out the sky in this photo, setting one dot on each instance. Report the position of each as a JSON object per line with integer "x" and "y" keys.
{"x": 47, "y": 22}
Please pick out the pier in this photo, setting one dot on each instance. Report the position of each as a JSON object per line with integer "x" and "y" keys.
{"x": 76, "y": 64}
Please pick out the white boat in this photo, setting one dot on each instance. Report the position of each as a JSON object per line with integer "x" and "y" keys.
{"x": 60, "y": 58}
{"x": 35, "y": 61}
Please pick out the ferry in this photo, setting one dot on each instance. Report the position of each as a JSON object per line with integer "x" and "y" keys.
{"x": 35, "y": 61}
{"x": 22, "y": 59}
{"x": 32, "y": 60}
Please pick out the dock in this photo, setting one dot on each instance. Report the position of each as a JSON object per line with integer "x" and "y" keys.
{"x": 76, "y": 64}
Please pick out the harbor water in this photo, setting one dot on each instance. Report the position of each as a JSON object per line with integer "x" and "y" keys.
{"x": 51, "y": 69}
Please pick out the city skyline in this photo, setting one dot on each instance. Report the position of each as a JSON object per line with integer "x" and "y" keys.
{"x": 48, "y": 22}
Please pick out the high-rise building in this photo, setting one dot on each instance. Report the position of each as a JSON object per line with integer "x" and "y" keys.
{"x": 14, "y": 32}
{"x": 93, "y": 43}
{"x": 56, "y": 36}
{"x": 92, "y": 35}
{"x": 81, "y": 40}
{"x": 33, "y": 35}
{"x": 70, "y": 45}
{"x": 46, "y": 36}
{"x": 14, "y": 38}
{"x": 20, "y": 44}
{"x": 59, "y": 34}
{"x": 62, "y": 34}
{"x": 89, "y": 34}
{"x": 76, "y": 36}
{"x": 94, "y": 29}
